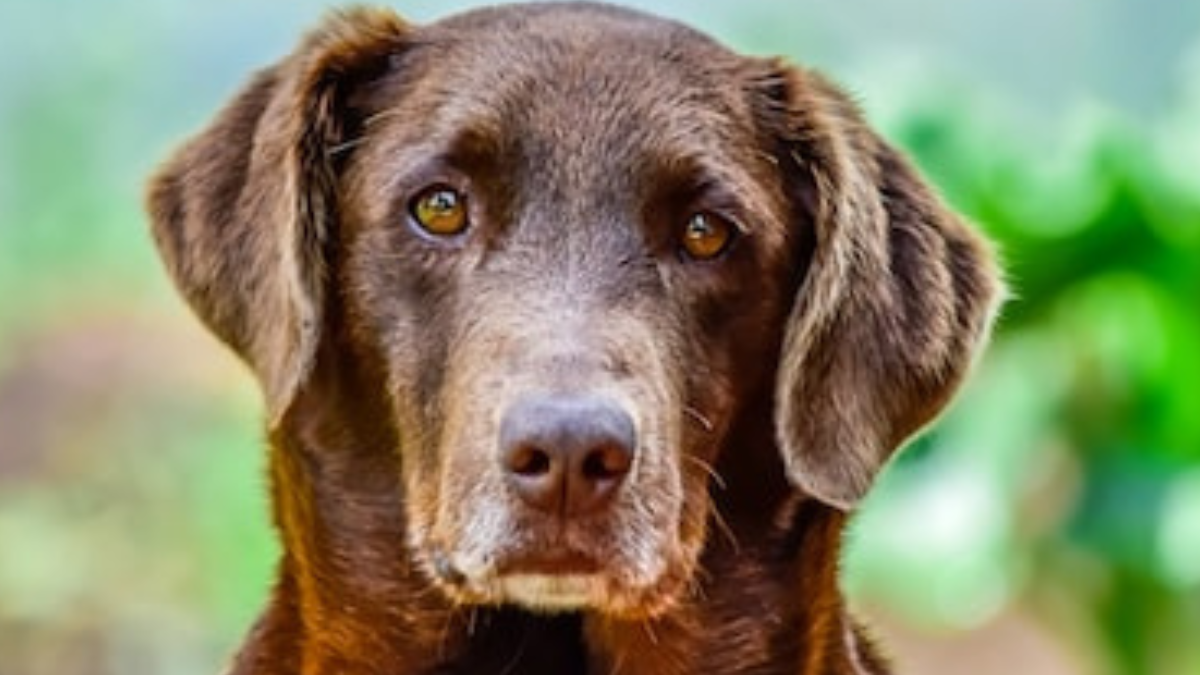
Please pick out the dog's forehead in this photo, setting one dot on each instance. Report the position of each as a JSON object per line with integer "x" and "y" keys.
{"x": 568, "y": 28}
{"x": 575, "y": 74}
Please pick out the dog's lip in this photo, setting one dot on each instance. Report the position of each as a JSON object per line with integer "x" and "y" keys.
{"x": 550, "y": 563}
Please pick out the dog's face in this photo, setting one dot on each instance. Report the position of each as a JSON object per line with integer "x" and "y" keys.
{"x": 584, "y": 245}
{"x": 551, "y": 253}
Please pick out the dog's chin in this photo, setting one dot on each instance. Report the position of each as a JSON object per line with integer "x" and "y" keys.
{"x": 587, "y": 593}
{"x": 553, "y": 593}
{"x": 585, "y": 590}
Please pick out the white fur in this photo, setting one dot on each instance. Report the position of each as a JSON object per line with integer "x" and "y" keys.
{"x": 553, "y": 592}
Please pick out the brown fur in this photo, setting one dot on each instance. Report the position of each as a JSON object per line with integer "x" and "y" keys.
{"x": 766, "y": 387}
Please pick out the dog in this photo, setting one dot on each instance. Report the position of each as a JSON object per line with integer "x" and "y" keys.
{"x": 580, "y": 336}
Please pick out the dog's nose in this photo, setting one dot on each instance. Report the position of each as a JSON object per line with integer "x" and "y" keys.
{"x": 566, "y": 454}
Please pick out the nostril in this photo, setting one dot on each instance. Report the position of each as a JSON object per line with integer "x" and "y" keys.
{"x": 607, "y": 463}
{"x": 529, "y": 462}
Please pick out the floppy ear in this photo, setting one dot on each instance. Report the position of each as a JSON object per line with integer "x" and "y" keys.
{"x": 243, "y": 212}
{"x": 898, "y": 297}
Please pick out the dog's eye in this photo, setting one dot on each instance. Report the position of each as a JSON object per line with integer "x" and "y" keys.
{"x": 440, "y": 210}
{"x": 707, "y": 235}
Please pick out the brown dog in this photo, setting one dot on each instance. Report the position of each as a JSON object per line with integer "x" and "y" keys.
{"x": 579, "y": 336}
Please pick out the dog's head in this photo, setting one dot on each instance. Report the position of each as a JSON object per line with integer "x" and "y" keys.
{"x": 587, "y": 249}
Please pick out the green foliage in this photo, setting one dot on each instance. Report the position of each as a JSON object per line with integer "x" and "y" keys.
{"x": 1068, "y": 474}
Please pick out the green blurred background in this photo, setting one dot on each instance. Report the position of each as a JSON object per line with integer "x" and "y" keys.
{"x": 1050, "y": 525}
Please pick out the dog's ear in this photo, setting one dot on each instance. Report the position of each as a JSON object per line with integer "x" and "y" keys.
{"x": 898, "y": 296}
{"x": 243, "y": 212}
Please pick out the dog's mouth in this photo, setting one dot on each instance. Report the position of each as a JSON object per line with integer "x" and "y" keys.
{"x": 562, "y": 563}
{"x": 554, "y": 581}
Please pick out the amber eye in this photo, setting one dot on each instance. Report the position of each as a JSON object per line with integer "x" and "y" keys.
{"x": 440, "y": 210}
{"x": 707, "y": 235}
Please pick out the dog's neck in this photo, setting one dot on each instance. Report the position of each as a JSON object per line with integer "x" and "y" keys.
{"x": 349, "y": 601}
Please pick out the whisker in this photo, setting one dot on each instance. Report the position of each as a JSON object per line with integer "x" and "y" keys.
{"x": 511, "y": 666}
{"x": 345, "y": 146}
{"x": 426, "y": 591}
{"x": 381, "y": 117}
{"x": 724, "y": 527}
{"x": 699, "y": 417}
{"x": 648, "y": 627}
{"x": 447, "y": 628}
{"x": 695, "y": 587}
{"x": 619, "y": 664}
{"x": 708, "y": 469}
{"x": 472, "y": 617}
